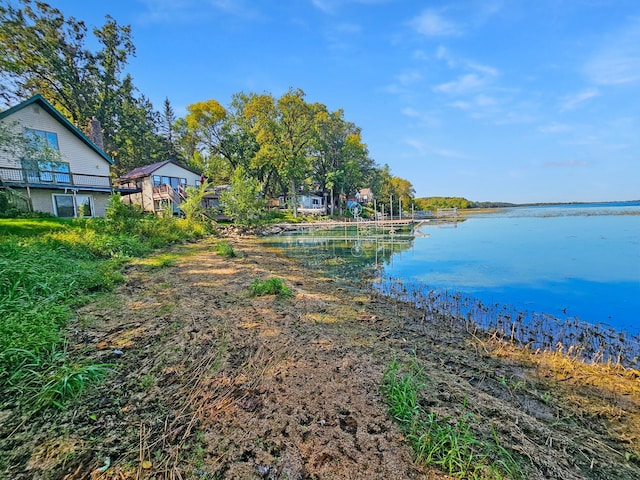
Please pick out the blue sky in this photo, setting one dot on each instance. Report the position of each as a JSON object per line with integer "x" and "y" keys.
{"x": 503, "y": 100}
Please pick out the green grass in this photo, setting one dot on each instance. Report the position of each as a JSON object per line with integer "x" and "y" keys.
{"x": 449, "y": 444}
{"x": 30, "y": 227}
{"x": 270, "y": 286}
{"x": 48, "y": 267}
{"x": 225, "y": 249}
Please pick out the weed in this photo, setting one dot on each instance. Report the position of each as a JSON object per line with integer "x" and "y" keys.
{"x": 147, "y": 381}
{"x": 225, "y": 249}
{"x": 270, "y": 286}
{"x": 448, "y": 443}
{"x": 68, "y": 382}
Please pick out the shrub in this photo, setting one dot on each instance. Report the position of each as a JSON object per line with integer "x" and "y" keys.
{"x": 270, "y": 286}
{"x": 225, "y": 249}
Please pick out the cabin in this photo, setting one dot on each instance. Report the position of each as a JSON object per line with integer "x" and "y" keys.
{"x": 55, "y": 168}
{"x": 308, "y": 204}
{"x": 364, "y": 196}
{"x": 161, "y": 187}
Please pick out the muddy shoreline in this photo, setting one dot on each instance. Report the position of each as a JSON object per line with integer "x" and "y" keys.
{"x": 214, "y": 383}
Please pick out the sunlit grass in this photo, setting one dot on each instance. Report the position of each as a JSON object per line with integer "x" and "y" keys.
{"x": 48, "y": 267}
{"x": 30, "y": 227}
{"x": 270, "y": 286}
{"x": 449, "y": 444}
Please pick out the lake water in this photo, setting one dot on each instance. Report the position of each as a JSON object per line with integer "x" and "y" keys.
{"x": 567, "y": 261}
{"x": 578, "y": 261}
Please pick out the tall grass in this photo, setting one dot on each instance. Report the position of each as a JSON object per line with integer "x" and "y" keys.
{"x": 449, "y": 444}
{"x": 44, "y": 275}
{"x": 578, "y": 339}
{"x": 270, "y": 286}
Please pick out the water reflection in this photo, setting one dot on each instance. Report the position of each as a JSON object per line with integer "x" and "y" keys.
{"x": 349, "y": 253}
{"x": 544, "y": 276}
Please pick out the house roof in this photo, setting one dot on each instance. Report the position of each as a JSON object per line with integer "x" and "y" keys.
{"x": 40, "y": 100}
{"x": 147, "y": 170}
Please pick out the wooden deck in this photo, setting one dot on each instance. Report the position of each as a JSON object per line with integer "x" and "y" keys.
{"x": 381, "y": 224}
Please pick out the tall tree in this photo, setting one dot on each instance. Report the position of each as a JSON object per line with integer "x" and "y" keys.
{"x": 167, "y": 128}
{"x": 44, "y": 52}
{"x": 341, "y": 162}
{"x": 284, "y": 131}
{"x": 393, "y": 191}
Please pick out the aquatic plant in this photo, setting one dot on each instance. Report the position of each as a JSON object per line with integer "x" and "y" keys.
{"x": 581, "y": 340}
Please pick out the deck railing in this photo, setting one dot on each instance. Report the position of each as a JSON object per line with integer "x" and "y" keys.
{"x": 21, "y": 177}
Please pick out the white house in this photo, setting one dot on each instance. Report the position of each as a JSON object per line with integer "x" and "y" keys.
{"x": 161, "y": 187}
{"x": 75, "y": 184}
{"x": 308, "y": 204}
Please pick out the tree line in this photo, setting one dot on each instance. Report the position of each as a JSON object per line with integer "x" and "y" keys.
{"x": 285, "y": 145}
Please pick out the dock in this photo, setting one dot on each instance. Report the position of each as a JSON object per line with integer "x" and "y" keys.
{"x": 329, "y": 224}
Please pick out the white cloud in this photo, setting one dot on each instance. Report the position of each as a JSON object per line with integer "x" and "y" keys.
{"x": 617, "y": 62}
{"x": 418, "y": 145}
{"x": 425, "y": 119}
{"x": 420, "y": 55}
{"x": 567, "y": 164}
{"x": 478, "y": 102}
{"x": 433, "y": 24}
{"x": 464, "y": 84}
{"x": 424, "y": 149}
{"x": 331, "y": 6}
{"x": 172, "y": 11}
{"x": 555, "y": 128}
{"x": 409, "y": 78}
{"x": 341, "y": 36}
{"x": 571, "y": 102}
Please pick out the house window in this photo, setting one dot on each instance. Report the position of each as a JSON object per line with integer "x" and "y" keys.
{"x": 39, "y": 139}
{"x": 84, "y": 206}
{"x": 65, "y": 206}
{"x": 156, "y": 181}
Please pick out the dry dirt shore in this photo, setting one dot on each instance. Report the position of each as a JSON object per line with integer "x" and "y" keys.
{"x": 216, "y": 384}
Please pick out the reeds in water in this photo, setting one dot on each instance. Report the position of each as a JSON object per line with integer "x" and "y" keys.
{"x": 581, "y": 340}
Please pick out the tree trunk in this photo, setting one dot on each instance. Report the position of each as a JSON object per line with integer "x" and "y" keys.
{"x": 295, "y": 198}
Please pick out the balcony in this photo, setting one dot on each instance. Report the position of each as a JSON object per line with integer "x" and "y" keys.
{"x": 21, "y": 177}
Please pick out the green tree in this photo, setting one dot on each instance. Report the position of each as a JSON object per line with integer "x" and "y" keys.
{"x": 167, "y": 129}
{"x": 243, "y": 202}
{"x": 46, "y": 53}
{"x": 392, "y": 191}
{"x": 284, "y": 131}
{"x": 341, "y": 164}
{"x": 192, "y": 205}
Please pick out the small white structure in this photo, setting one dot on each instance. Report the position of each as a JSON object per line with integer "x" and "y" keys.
{"x": 76, "y": 184}
{"x": 308, "y": 204}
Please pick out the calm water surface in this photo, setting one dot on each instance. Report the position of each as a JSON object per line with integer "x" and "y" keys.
{"x": 578, "y": 261}
{"x": 567, "y": 261}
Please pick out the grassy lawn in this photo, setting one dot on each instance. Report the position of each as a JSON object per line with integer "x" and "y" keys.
{"x": 31, "y": 227}
{"x": 47, "y": 268}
